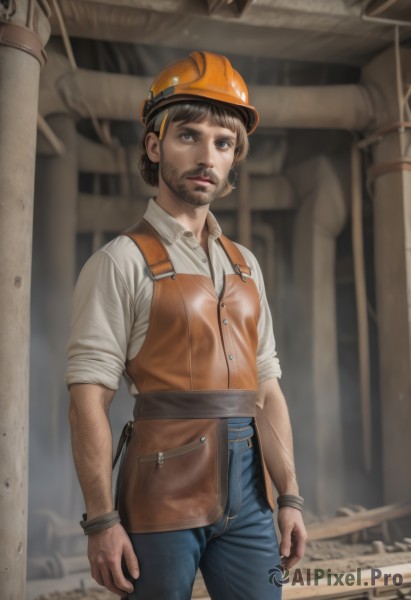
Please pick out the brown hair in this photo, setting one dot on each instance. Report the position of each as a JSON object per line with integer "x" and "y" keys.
{"x": 195, "y": 112}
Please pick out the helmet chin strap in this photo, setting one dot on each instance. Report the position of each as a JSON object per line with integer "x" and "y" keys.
{"x": 162, "y": 125}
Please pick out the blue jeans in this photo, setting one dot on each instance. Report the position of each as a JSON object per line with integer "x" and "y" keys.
{"x": 234, "y": 554}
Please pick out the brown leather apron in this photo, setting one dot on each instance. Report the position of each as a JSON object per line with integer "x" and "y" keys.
{"x": 196, "y": 368}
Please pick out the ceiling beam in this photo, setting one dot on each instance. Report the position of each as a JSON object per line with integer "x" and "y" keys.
{"x": 309, "y": 30}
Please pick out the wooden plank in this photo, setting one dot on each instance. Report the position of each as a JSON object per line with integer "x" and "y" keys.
{"x": 362, "y": 520}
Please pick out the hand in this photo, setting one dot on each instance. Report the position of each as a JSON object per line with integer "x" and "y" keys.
{"x": 105, "y": 553}
{"x": 293, "y": 536}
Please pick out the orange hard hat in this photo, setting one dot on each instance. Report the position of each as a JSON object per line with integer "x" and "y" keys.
{"x": 201, "y": 75}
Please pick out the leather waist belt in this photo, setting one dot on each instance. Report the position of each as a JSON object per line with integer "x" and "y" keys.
{"x": 200, "y": 404}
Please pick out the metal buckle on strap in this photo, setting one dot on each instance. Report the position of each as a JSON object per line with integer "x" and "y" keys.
{"x": 124, "y": 439}
{"x": 154, "y": 277}
{"x": 244, "y": 276}
{"x": 128, "y": 429}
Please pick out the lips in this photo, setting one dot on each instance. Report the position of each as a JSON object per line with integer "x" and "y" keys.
{"x": 201, "y": 179}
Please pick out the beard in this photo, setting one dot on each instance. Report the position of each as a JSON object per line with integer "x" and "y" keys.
{"x": 200, "y": 195}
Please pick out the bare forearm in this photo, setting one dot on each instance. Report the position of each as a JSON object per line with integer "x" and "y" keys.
{"x": 276, "y": 437}
{"x": 92, "y": 445}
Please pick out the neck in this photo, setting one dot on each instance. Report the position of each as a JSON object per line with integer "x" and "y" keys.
{"x": 193, "y": 218}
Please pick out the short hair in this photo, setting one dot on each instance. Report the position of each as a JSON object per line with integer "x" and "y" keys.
{"x": 195, "y": 112}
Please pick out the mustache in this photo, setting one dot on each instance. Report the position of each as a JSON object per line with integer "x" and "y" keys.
{"x": 207, "y": 173}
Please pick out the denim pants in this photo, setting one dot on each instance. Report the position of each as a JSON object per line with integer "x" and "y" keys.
{"x": 233, "y": 554}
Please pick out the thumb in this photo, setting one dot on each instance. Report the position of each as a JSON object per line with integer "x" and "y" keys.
{"x": 131, "y": 561}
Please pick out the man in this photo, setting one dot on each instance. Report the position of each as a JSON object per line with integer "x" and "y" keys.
{"x": 182, "y": 311}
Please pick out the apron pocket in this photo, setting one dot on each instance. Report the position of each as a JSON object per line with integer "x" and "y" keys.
{"x": 162, "y": 456}
{"x": 171, "y": 475}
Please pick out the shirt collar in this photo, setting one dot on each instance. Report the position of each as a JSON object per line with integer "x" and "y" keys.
{"x": 169, "y": 228}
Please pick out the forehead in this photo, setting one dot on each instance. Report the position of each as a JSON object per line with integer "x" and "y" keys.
{"x": 203, "y": 126}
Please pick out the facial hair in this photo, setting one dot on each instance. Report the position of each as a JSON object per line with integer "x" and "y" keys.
{"x": 201, "y": 195}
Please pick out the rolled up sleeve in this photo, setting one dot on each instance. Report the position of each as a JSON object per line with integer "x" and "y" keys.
{"x": 101, "y": 324}
{"x": 268, "y": 364}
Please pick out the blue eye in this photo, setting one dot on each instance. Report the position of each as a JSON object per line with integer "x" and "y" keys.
{"x": 186, "y": 136}
{"x": 224, "y": 144}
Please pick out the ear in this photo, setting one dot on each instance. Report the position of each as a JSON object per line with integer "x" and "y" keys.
{"x": 152, "y": 143}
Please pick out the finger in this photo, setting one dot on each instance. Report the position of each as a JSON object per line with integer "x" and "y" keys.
{"x": 285, "y": 560}
{"x": 290, "y": 562}
{"x": 300, "y": 544}
{"x": 120, "y": 580}
{"x": 131, "y": 561}
{"x": 296, "y": 553}
{"x": 111, "y": 586}
{"x": 96, "y": 575}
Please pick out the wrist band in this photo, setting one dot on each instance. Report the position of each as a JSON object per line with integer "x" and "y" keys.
{"x": 291, "y": 501}
{"x": 99, "y": 524}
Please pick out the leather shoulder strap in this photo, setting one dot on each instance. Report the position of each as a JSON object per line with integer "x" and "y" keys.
{"x": 235, "y": 256}
{"x": 152, "y": 248}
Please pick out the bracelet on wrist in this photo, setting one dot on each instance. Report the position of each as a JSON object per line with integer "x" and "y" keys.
{"x": 100, "y": 523}
{"x": 291, "y": 501}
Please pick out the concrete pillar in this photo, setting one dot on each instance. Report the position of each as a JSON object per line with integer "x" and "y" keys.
{"x": 387, "y": 76}
{"x": 54, "y": 258}
{"x": 19, "y": 86}
{"x": 392, "y": 228}
{"x": 319, "y": 220}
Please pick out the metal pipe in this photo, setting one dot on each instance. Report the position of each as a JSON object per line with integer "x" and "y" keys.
{"x": 398, "y": 75}
{"x": 361, "y": 298}
{"x": 44, "y": 128}
{"x": 313, "y": 107}
{"x": 64, "y": 34}
{"x": 374, "y": 10}
{"x": 93, "y": 94}
{"x": 386, "y": 21}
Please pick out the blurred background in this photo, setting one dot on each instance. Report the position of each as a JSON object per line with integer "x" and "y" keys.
{"x": 324, "y": 201}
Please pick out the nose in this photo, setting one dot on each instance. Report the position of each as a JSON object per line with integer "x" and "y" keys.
{"x": 206, "y": 157}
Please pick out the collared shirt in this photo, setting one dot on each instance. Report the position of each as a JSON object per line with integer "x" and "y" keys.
{"x": 113, "y": 295}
